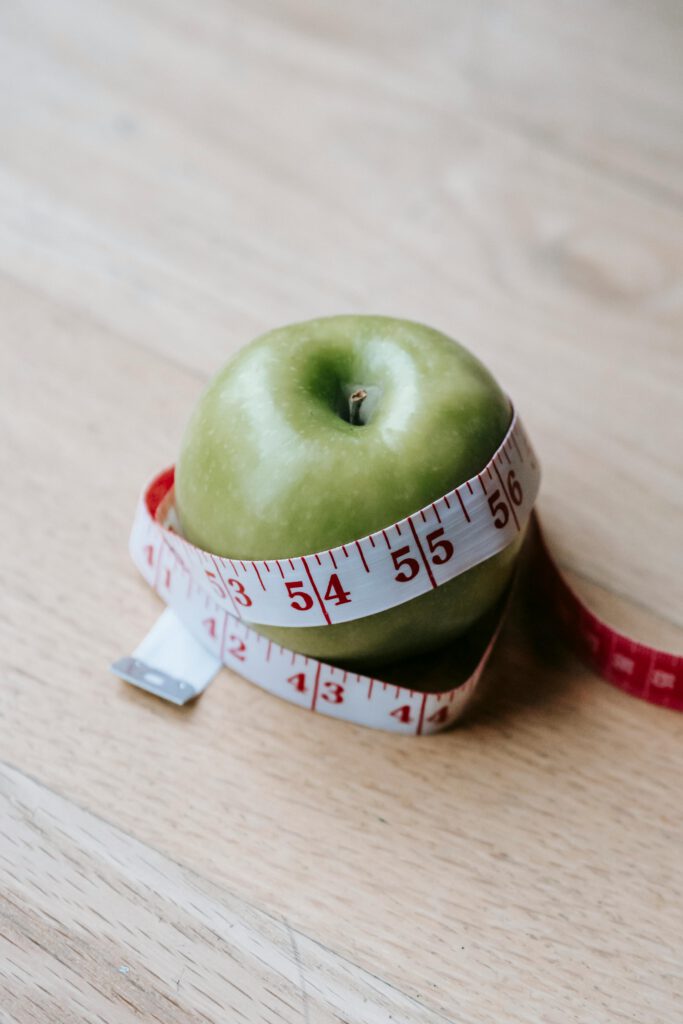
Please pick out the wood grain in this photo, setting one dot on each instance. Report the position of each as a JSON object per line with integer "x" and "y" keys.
{"x": 120, "y": 932}
{"x": 175, "y": 178}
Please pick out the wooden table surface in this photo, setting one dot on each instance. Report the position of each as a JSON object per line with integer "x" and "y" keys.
{"x": 175, "y": 178}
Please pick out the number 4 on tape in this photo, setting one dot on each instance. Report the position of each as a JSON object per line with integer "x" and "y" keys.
{"x": 169, "y": 662}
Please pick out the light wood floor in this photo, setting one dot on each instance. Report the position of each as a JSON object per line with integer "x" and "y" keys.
{"x": 176, "y": 177}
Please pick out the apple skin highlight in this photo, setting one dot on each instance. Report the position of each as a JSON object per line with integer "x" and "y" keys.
{"x": 282, "y": 457}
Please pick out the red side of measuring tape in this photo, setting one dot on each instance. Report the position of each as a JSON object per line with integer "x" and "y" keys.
{"x": 642, "y": 671}
{"x": 159, "y": 489}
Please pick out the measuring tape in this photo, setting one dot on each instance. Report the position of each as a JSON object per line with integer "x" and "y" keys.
{"x": 213, "y": 602}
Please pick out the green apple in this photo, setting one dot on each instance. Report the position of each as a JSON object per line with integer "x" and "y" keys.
{"x": 322, "y": 432}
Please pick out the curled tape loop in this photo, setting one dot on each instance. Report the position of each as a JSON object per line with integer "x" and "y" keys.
{"x": 217, "y": 598}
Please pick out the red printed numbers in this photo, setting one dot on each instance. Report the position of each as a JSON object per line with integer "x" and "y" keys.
{"x": 499, "y": 506}
{"x": 302, "y": 601}
{"x": 440, "y": 548}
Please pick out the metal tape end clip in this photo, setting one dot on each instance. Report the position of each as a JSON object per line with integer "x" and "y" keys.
{"x": 169, "y": 662}
{"x": 153, "y": 680}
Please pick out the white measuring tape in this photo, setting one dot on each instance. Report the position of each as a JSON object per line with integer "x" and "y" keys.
{"x": 394, "y": 565}
{"x": 212, "y": 602}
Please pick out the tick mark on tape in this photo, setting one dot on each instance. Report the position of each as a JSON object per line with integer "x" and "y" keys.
{"x": 462, "y": 506}
{"x": 422, "y": 554}
{"x": 514, "y": 441}
{"x": 316, "y": 684}
{"x": 258, "y": 574}
{"x": 315, "y": 590}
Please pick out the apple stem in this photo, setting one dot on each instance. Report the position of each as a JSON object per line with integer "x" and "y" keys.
{"x": 356, "y": 400}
